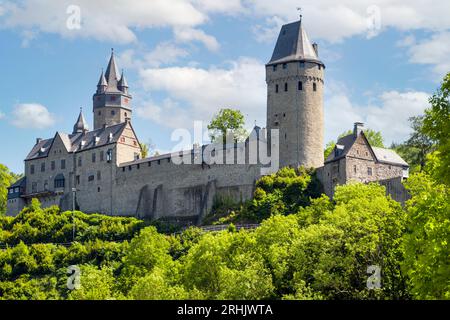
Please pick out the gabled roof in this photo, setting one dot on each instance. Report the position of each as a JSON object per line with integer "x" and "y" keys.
{"x": 384, "y": 155}
{"x": 293, "y": 45}
{"x": 79, "y": 141}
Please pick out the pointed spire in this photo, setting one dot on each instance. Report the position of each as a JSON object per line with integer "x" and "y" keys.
{"x": 123, "y": 82}
{"x": 293, "y": 45}
{"x": 81, "y": 124}
{"x": 111, "y": 74}
{"x": 102, "y": 80}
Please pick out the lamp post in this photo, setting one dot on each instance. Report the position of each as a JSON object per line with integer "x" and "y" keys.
{"x": 74, "y": 191}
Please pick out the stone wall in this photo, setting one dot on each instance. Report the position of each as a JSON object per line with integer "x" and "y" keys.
{"x": 298, "y": 114}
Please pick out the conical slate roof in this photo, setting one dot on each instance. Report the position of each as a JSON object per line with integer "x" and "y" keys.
{"x": 111, "y": 74}
{"x": 293, "y": 45}
{"x": 102, "y": 80}
{"x": 81, "y": 124}
{"x": 123, "y": 81}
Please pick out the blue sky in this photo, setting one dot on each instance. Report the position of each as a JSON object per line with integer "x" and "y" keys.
{"x": 185, "y": 59}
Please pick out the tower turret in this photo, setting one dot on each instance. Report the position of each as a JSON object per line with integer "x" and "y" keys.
{"x": 81, "y": 125}
{"x": 102, "y": 84}
{"x": 111, "y": 102}
{"x": 294, "y": 77}
{"x": 123, "y": 84}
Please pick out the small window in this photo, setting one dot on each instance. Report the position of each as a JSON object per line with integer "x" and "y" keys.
{"x": 135, "y": 142}
{"x": 274, "y": 67}
{"x": 94, "y": 157}
{"x": 276, "y": 88}
{"x": 91, "y": 178}
{"x": 99, "y": 175}
{"x": 99, "y": 113}
{"x": 369, "y": 171}
{"x": 390, "y": 167}
{"x": 113, "y": 113}
{"x": 59, "y": 183}
{"x": 285, "y": 136}
{"x": 129, "y": 168}
{"x": 320, "y": 67}
{"x": 122, "y": 139}
{"x": 43, "y": 167}
{"x": 123, "y": 169}
{"x": 284, "y": 65}
{"x": 77, "y": 178}
{"x": 102, "y": 156}
{"x": 109, "y": 155}
{"x": 300, "y": 85}
{"x": 302, "y": 64}
{"x": 354, "y": 168}
{"x": 52, "y": 165}
{"x": 126, "y": 114}
{"x": 314, "y": 86}
{"x": 32, "y": 169}
{"x": 286, "y": 86}
{"x": 138, "y": 166}
{"x": 159, "y": 161}
{"x": 80, "y": 162}
{"x": 63, "y": 164}
{"x": 98, "y": 189}
{"x": 284, "y": 115}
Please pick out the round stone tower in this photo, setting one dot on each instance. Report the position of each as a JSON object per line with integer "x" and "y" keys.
{"x": 294, "y": 77}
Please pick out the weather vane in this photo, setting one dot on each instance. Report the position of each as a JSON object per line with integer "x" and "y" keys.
{"x": 299, "y": 9}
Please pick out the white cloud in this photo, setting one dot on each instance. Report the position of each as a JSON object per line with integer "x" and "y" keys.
{"x": 202, "y": 92}
{"x": 191, "y": 34}
{"x": 102, "y": 19}
{"x": 163, "y": 54}
{"x": 32, "y": 115}
{"x": 389, "y": 113}
{"x": 434, "y": 51}
{"x": 336, "y": 20}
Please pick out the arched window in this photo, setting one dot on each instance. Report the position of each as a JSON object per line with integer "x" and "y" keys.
{"x": 276, "y": 88}
{"x": 300, "y": 85}
{"x": 314, "y": 87}
{"x": 285, "y": 86}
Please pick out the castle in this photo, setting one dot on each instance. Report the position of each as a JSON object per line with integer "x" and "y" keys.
{"x": 102, "y": 170}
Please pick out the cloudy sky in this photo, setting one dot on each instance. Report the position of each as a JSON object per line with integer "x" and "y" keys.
{"x": 185, "y": 59}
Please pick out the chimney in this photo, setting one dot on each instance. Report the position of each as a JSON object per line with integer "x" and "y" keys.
{"x": 316, "y": 48}
{"x": 38, "y": 140}
{"x": 358, "y": 128}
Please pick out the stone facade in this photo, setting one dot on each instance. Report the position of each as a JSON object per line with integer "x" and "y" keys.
{"x": 102, "y": 170}
{"x": 354, "y": 159}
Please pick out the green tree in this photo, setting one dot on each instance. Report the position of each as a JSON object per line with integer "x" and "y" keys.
{"x": 375, "y": 139}
{"x": 364, "y": 228}
{"x": 95, "y": 284}
{"x": 416, "y": 149}
{"x": 144, "y": 150}
{"x": 436, "y": 125}
{"x": 426, "y": 243}
{"x": 228, "y": 122}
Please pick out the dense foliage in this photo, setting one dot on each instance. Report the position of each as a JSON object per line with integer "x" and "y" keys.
{"x": 227, "y": 124}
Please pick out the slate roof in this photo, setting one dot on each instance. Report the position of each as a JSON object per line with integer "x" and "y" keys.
{"x": 79, "y": 142}
{"x": 111, "y": 75}
{"x": 388, "y": 156}
{"x": 81, "y": 124}
{"x": 344, "y": 144}
{"x": 293, "y": 45}
{"x": 22, "y": 182}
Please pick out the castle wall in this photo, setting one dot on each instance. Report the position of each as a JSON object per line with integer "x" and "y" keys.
{"x": 161, "y": 188}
